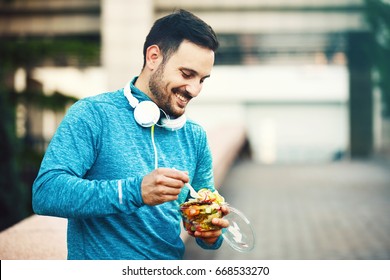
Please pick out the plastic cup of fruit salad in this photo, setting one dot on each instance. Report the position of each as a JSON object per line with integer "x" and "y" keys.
{"x": 198, "y": 213}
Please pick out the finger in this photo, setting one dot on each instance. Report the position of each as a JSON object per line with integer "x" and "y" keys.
{"x": 162, "y": 198}
{"x": 163, "y": 178}
{"x": 170, "y": 183}
{"x": 208, "y": 234}
{"x": 225, "y": 210}
{"x": 223, "y": 223}
{"x": 167, "y": 191}
{"x": 173, "y": 174}
{"x": 178, "y": 174}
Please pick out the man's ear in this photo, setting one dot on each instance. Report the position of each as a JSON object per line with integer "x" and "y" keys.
{"x": 153, "y": 57}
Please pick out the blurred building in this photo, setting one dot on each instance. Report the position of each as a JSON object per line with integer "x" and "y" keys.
{"x": 251, "y": 31}
{"x": 282, "y": 64}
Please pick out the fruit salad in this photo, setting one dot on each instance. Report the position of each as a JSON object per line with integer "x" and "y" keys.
{"x": 198, "y": 212}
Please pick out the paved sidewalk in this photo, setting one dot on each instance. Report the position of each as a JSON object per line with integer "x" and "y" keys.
{"x": 310, "y": 212}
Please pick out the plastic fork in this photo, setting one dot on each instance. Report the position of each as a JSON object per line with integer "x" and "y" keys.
{"x": 193, "y": 192}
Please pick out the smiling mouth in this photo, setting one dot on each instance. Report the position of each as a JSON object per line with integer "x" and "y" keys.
{"x": 183, "y": 99}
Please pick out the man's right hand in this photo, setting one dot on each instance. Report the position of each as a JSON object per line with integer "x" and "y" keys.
{"x": 162, "y": 185}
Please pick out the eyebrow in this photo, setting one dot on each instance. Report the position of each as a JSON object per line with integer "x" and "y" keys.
{"x": 194, "y": 72}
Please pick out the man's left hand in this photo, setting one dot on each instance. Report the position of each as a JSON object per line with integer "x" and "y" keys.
{"x": 210, "y": 237}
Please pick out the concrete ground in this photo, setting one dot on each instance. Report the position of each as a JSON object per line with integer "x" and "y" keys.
{"x": 334, "y": 211}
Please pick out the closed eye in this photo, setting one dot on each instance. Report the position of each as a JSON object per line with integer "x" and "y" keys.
{"x": 190, "y": 74}
{"x": 187, "y": 74}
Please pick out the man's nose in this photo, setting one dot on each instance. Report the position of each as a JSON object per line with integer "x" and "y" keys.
{"x": 194, "y": 88}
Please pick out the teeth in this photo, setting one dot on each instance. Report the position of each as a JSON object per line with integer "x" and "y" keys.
{"x": 181, "y": 97}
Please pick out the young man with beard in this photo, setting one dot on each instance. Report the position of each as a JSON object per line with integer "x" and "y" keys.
{"x": 117, "y": 164}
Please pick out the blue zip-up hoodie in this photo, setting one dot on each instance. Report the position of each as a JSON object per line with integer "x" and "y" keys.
{"x": 92, "y": 171}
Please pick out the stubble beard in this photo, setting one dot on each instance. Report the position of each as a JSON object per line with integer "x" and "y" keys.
{"x": 156, "y": 87}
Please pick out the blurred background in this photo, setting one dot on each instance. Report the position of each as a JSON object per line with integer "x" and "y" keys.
{"x": 308, "y": 79}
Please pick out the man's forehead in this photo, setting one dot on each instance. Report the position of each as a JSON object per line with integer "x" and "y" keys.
{"x": 194, "y": 58}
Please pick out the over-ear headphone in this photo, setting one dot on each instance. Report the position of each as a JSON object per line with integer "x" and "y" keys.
{"x": 147, "y": 113}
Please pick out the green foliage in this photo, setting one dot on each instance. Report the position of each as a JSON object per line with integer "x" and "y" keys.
{"x": 19, "y": 159}
{"x": 14, "y": 198}
{"x": 54, "y": 102}
{"x": 33, "y": 52}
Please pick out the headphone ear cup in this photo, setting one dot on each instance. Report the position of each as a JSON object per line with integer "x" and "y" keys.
{"x": 146, "y": 113}
{"x": 174, "y": 124}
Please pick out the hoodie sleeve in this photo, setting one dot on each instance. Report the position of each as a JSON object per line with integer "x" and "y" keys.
{"x": 204, "y": 178}
{"x": 61, "y": 188}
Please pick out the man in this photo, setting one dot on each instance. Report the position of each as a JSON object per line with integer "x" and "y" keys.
{"x": 117, "y": 172}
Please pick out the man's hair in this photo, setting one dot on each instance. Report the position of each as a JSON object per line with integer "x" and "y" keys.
{"x": 169, "y": 32}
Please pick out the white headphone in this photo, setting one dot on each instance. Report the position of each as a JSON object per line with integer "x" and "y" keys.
{"x": 147, "y": 113}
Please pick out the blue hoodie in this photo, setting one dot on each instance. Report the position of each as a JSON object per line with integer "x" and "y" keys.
{"x": 92, "y": 171}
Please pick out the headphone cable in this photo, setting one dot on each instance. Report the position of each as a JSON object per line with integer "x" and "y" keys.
{"x": 154, "y": 147}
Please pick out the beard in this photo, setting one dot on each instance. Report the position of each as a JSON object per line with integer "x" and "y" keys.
{"x": 161, "y": 94}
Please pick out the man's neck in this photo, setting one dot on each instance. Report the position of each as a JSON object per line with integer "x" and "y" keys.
{"x": 142, "y": 84}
